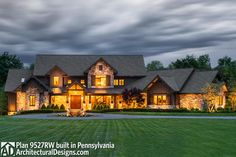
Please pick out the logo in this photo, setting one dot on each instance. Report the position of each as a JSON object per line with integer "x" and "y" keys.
{"x": 7, "y": 148}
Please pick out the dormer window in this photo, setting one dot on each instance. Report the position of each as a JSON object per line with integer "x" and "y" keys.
{"x": 56, "y": 81}
{"x": 22, "y": 80}
{"x": 100, "y": 67}
{"x": 100, "y": 80}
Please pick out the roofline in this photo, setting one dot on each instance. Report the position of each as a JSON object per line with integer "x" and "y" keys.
{"x": 87, "y": 70}
{"x": 86, "y": 55}
{"x": 159, "y": 77}
{"x": 186, "y": 81}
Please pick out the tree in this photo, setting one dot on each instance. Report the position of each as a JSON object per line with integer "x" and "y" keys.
{"x": 3, "y": 101}
{"x": 133, "y": 97}
{"x": 190, "y": 61}
{"x": 31, "y": 66}
{"x": 204, "y": 62}
{"x": 211, "y": 91}
{"x": 7, "y": 62}
{"x": 154, "y": 66}
{"x": 227, "y": 70}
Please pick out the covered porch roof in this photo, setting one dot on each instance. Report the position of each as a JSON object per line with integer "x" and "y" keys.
{"x": 105, "y": 91}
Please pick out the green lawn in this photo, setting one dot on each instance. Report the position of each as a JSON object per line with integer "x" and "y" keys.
{"x": 132, "y": 137}
{"x": 174, "y": 113}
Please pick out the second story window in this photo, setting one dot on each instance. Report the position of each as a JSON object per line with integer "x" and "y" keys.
{"x": 100, "y": 67}
{"x": 69, "y": 81}
{"x": 119, "y": 82}
{"x": 55, "y": 81}
{"x": 100, "y": 80}
{"x": 82, "y": 82}
{"x": 116, "y": 82}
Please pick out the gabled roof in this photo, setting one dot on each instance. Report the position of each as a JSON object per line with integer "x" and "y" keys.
{"x": 55, "y": 67}
{"x": 14, "y": 78}
{"x": 198, "y": 80}
{"x": 174, "y": 78}
{"x": 76, "y": 65}
{"x": 100, "y": 59}
{"x": 38, "y": 81}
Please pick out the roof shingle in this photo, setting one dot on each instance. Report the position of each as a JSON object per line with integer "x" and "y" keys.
{"x": 14, "y": 78}
{"x": 76, "y": 65}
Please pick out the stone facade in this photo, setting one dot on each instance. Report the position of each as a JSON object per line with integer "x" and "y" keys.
{"x": 190, "y": 101}
{"x": 20, "y": 100}
{"x": 29, "y": 92}
{"x": 107, "y": 70}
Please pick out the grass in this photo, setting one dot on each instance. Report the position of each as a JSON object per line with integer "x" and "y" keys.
{"x": 132, "y": 137}
{"x": 174, "y": 113}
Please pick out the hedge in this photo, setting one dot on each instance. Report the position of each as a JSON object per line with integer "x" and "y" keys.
{"x": 142, "y": 110}
{"x": 41, "y": 111}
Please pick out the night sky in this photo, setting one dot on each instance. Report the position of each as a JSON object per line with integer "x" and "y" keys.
{"x": 158, "y": 29}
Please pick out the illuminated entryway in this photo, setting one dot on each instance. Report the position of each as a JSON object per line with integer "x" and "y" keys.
{"x": 75, "y": 102}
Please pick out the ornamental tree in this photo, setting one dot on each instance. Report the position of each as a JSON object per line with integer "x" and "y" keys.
{"x": 133, "y": 97}
{"x": 211, "y": 91}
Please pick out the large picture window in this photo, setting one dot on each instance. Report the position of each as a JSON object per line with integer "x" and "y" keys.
{"x": 100, "y": 80}
{"x": 32, "y": 100}
{"x": 160, "y": 99}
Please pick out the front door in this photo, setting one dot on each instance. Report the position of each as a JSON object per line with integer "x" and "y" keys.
{"x": 75, "y": 102}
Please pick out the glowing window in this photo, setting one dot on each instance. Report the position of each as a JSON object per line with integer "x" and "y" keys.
{"x": 220, "y": 100}
{"x": 121, "y": 82}
{"x": 160, "y": 99}
{"x": 100, "y": 80}
{"x": 155, "y": 99}
{"x": 69, "y": 81}
{"x": 56, "y": 81}
{"x": 82, "y": 81}
{"x": 116, "y": 82}
{"x": 32, "y": 100}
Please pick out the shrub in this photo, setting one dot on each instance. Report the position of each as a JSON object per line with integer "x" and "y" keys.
{"x": 52, "y": 106}
{"x": 62, "y": 107}
{"x": 40, "y": 111}
{"x": 49, "y": 106}
{"x": 195, "y": 110}
{"x": 56, "y": 107}
{"x": 3, "y": 102}
{"x": 43, "y": 107}
{"x": 140, "y": 110}
{"x": 228, "y": 107}
{"x": 220, "y": 109}
{"x": 101, "y": 106}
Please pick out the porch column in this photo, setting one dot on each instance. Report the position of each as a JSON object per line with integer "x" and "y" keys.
{"x": 115, "y": 104}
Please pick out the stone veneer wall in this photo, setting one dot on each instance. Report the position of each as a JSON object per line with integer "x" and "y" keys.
{"x": 20, "y": 101}
{"x": 23, "y": 99}
{"x": 191, "y": 101}
{"x": 107, "y": 70}
{"x": 29, "y": 92}
{"x": 59, "y": 100}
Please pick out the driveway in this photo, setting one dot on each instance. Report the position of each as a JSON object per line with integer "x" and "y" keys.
{"x": 56, "y": 116}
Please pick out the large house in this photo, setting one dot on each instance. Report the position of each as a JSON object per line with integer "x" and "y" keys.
{"x": 80, "y": 81}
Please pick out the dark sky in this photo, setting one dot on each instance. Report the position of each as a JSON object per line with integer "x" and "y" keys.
{"x": 158, "y": 29}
